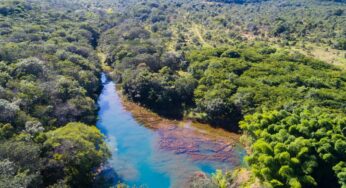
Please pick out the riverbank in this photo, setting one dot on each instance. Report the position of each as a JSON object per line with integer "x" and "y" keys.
{"x": 197, "y": 141}
{"x": 186, "y": 136}
{"x": 152, "y": 120}
{"x": 200, "y": 141}
{"x": 149, "y": 150}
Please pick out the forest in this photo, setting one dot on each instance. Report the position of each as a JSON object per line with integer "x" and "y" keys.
{"x": 273, "y": 71}
{"x": 49, "y": 80}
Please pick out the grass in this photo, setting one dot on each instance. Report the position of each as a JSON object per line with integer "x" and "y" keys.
{"x": 324, "y": 53}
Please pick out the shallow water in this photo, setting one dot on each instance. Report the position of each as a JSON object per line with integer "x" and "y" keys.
{"x": 140, "y": 155}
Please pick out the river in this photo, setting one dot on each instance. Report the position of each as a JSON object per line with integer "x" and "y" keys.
{"x": 160, "y": 157}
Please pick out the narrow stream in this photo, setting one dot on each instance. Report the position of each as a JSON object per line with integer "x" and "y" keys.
{"x": 138, "y": 155}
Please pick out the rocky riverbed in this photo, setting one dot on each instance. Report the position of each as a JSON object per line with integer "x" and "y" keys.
{"x": 199, "y": 141}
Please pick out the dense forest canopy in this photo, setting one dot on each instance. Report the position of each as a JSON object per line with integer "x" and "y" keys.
{"x": 49, "y": 77}
{"x": 257, "y": 67}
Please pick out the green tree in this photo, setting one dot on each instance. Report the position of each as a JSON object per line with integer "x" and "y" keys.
{"x": 20, "y": 164}
{"x": 297, "y": 148}
{"x": 76, "y": 150}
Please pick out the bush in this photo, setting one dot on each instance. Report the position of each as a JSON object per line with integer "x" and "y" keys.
{"x": 299, "y": 148}
{"x": 76, "y": 151}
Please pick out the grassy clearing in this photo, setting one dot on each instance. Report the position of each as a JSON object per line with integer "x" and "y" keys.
{"x": 324, "y": 53}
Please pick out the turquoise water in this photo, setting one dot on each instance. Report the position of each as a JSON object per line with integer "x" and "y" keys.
{"x": 136, "y": 155}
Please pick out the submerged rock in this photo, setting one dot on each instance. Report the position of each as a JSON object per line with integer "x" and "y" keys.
{"x": 199, "y": 141}
{"x": 200, "y": 180}
{"x": 197, "y": 144}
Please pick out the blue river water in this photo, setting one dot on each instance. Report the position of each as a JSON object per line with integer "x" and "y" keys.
{"x": 136, "y": 157}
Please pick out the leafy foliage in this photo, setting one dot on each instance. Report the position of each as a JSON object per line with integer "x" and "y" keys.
{"x": 212, "y": 61}
{"x": 49, "y": 76}
{"x": 75, "y": 151}
{"x": 20, "y": 164}
{"x": 297, "y": 148}
{"x": 228, "y": 87}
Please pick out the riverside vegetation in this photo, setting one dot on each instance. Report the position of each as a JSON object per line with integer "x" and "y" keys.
{"x": 273, "y": 70}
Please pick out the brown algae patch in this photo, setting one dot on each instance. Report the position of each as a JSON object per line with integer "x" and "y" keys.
{"x": 199, "y": 141}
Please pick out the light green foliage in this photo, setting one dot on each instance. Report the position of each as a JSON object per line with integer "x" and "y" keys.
{"x": 340, "y": 170}
{"x": 79, "y": 148}
{"x": 221, "y": 180}
{"x": 230, "y": 87}
{"x": 297, "y": 148}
